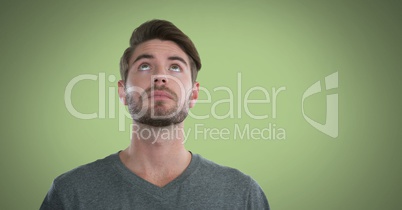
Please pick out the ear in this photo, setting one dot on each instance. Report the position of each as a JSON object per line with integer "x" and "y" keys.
{"x": 122, "y": 92}
{"x": 194, "y": 94}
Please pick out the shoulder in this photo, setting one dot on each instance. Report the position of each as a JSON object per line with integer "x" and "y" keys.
{"x": 231, "y": 185}
{"x": 86, "y": 174}
{"x": 224, "y": 174}
{"x": 75, "y": 187}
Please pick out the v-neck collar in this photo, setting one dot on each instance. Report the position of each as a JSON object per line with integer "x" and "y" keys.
{"x": 144, "y": 185}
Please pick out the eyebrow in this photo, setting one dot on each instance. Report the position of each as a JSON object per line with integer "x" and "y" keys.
{"x": 172, "y": 58}
{"x": 143, "y": 56}
{"x": 177, "y": 58}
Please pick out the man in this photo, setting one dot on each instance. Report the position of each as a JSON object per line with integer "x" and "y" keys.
{"x": 158, "y": 84}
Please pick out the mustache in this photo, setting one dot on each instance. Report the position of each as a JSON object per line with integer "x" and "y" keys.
{"x": 148, "y": 91}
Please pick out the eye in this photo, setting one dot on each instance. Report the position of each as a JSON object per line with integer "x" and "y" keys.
{"x": 144, "y": 67}
{"x": 175, "y": 68}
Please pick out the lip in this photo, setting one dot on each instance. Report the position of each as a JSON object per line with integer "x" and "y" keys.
{"x": 158, "y": 94}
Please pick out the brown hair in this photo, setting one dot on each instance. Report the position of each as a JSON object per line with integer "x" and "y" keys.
{"x": 163, "y": 30}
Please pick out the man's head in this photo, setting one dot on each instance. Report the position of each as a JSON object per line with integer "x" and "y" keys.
{"x": 158, "y": 73}
{"x": 163, "y": 30}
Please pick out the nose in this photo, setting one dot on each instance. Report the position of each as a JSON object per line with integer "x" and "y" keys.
{"x": 159, "y": 80}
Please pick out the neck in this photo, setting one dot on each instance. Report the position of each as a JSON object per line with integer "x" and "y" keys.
{"x": 157, "y": 154}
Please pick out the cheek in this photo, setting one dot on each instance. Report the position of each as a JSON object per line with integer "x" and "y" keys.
{"x": 182, "y": 89}
{"x": 136, "y": 81}
{"x": 182, "y": 81}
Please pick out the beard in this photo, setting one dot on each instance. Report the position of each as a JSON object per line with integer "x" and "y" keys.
{"x": 156, "y": 115}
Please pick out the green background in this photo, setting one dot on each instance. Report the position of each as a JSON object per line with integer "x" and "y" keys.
{"x": 291, "y": 44}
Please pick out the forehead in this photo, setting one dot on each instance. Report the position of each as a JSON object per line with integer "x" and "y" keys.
{"x": 159, "y": 48}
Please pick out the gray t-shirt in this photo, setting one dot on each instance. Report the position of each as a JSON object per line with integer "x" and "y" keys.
{"x": 108, "y": 184}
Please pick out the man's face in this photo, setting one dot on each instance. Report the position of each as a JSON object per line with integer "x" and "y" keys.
{"x": 158, "y": 89}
